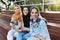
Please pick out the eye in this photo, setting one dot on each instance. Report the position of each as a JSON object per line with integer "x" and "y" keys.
{"x": 17, "y": 8}
{"x": 36, "y": 12}
{"x": 23, "y": 10}
{"x": 32, "y": 12}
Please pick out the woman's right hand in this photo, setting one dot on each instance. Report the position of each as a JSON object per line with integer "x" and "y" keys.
{"x": 20, "y": 28}
{"x": 12, "y": 25}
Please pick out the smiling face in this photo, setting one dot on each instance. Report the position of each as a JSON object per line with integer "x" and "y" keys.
{"x": 34, "y": 13}
{"x": 17, "y": 8}
{"x": 25, "y": 10}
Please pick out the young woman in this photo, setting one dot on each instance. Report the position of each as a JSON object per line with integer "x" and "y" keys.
{"x": 26, "y": 17}
{"x": 26, "y": 22}
{"x": 38, "y": 27}
{"x": 16, "y": 22}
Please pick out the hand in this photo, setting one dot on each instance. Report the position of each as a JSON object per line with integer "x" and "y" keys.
{"x": 19, "y": 30}
{"x": 12, "y": 25}
{"x": 25, "y": 29}
{"x": 40, "y": 37}
{"x": 20, "y": 27}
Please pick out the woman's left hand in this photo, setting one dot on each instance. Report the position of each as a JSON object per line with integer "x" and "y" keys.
{"x": 40, "y": 37}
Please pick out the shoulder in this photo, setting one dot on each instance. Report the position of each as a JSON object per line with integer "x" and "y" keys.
{"x": 43, "y": 21}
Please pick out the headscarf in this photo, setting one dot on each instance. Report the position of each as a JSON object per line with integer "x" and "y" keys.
{"x": 38, "y": 18}
{"x": 26, "y": 18}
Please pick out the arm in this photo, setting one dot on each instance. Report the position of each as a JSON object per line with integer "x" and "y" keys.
{"x": 43, "y": 30}
{"x": 21, "y": 28}
{"x": 12, "y": 25}
{"x": 25, "y": 29}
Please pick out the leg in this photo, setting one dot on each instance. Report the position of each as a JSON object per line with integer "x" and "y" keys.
{"x": 10, "y": 34}
{"x": 26, "y": 36}
{"x": 20, "y": 35}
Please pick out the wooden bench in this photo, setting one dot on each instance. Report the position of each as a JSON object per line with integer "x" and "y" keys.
{"x": 53, "y": 23}
{"x": 5, "y": 18}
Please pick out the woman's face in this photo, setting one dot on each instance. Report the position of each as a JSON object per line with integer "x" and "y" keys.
{"x": 34, "y": 13}
{"x": 17, "y": 9}
{"x": 25, "y": 11}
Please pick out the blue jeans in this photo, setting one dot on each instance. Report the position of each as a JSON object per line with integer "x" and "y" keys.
{"x": 26, "y": 36}
{"x": 21, "y": 36}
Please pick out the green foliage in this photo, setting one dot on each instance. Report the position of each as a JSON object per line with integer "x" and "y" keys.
{"x": 34, "y": 1}
{"x": 47, "y": 7}
{"x": 11, "y": 7}
{"x": 55, "y": 7}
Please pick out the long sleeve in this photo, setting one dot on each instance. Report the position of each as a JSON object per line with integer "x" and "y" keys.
{"x": 40, "y": 29}
{"x": 11, "y": 23}
{"x": 43, "y": 30}
{"x": 34, "y": 30}
{"x": 19, "y": 23}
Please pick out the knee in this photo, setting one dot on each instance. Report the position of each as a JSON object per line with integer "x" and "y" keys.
{"x": 25, "y": 37}
{"x": 18, "y": 34}
{"x": 9, "y": 36}
{"x": 15, "y": 34}
{"x": 10, "y": 33}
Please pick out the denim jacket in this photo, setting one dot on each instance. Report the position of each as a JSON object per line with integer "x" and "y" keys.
{"x": 39, "y": 28}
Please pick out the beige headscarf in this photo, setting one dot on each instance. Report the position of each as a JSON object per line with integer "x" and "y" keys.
{"x": 39, "y": 15}
{"x": 38, "y": 18}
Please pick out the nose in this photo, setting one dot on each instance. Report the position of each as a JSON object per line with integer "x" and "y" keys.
{"x": 34, "y": 13}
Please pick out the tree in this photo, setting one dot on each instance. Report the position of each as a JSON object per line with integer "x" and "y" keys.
{"x": 34, "y": 1}
{"x": 7, "y": 5}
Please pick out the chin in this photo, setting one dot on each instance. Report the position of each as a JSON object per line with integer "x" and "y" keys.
{"x": 25, "y": 13}
{"x": 33, "y": 18}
